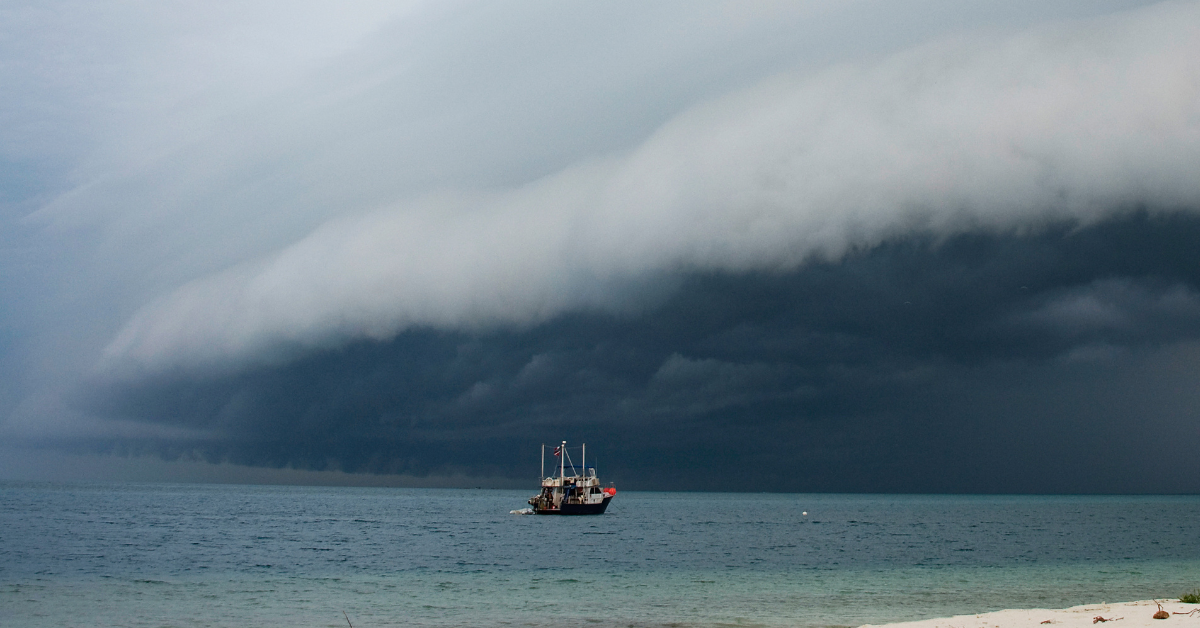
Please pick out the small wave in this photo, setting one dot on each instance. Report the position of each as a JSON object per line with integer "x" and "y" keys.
{"x": 522, "y": 511}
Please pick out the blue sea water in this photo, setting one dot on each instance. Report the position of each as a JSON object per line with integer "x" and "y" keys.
{"x": 219, "y": 555}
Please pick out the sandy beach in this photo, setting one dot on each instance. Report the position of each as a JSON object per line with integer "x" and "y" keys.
{"x": 1126, "y": 615}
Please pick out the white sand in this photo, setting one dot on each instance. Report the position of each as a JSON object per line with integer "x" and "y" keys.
{"x": 1130, "y": 614}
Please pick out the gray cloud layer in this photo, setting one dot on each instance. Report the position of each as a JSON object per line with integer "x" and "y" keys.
{"x": 850, "y": 245}
{"x": 1063, "y": 361}
{"x": 1072, "y": 121}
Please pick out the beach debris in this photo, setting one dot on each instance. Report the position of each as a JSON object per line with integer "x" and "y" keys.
{"x": 1194, "y": 610}
{"x": 1161, "y": 614}
{"x": 1097, "y": 619}
{"x": 1050, "y": 622}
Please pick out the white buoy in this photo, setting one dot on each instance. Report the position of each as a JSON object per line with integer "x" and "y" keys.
{"x": 805, "y": 513}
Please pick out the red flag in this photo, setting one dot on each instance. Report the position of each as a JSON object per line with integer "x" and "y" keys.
{"x": 558, "y": 450}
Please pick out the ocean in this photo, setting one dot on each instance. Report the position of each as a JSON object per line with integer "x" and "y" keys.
{"x": 159, "y": 555}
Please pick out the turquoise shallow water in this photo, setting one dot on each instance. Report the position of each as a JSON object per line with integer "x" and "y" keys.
{"x": 194, "y": 555}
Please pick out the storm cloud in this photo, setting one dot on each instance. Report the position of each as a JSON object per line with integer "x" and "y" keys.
{"x": 1069, "y": 122}
{"x": 1015, "y": 362}
{"x": 822, "y": 246}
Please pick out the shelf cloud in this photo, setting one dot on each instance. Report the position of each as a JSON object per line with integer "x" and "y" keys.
{"x": 858, "y": 245}
{"x": 1069, "y": 122}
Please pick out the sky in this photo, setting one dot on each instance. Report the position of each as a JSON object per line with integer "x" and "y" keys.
{"x": 854, "y": 246}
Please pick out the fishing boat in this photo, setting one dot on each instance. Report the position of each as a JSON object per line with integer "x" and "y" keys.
{"x": 577, "y": 493}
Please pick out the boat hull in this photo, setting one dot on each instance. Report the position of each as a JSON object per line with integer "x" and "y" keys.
{"x": 576, "y": 509}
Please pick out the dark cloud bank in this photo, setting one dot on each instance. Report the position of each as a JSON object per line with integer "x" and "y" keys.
{"x": 804, "y": 246}
{"x": 1058, "y": 360}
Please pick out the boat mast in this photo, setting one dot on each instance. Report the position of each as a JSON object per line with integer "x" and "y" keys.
{"x": 562, "y": 461}
{"x": 585, "y": 460}
{"x": 543, "y": 462}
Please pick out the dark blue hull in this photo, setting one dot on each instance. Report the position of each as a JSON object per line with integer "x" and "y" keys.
{"x": 577, "y": 509}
